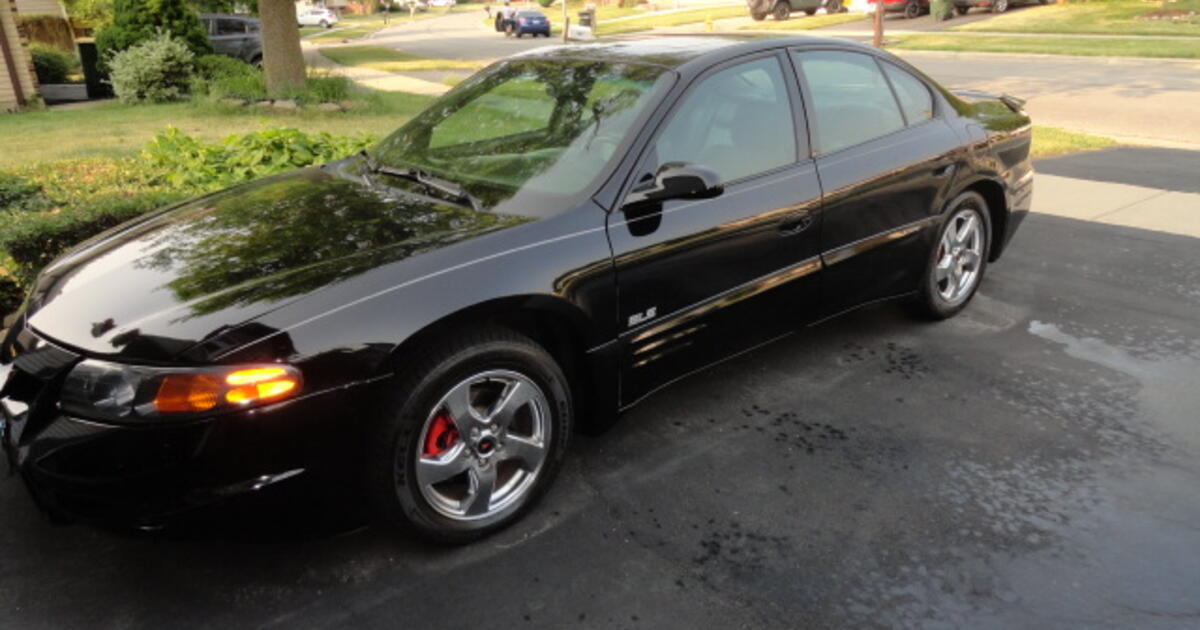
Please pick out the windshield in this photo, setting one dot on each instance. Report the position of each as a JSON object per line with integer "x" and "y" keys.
{"x": 527, "y": 136}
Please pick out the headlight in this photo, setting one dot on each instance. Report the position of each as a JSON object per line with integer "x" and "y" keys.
{"x": 111, "y": 391}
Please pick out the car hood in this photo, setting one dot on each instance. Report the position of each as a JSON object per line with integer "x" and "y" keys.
{"x": 153, "y": 288}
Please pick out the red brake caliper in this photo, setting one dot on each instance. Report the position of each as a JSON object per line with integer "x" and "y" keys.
{"x": 442, "y": 435}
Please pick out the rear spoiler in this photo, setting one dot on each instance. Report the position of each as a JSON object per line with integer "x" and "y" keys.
{"x": 1017, "y": 105}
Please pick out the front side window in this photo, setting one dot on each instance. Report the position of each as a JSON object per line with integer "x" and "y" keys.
{"x": 529, "y": 130}
{"x": 737, "y": 122}
{"x": 914, "y": 97}
{"x": 851, "y": 101}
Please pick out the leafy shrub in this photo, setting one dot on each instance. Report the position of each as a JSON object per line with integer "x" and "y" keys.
{"x": 219, "y": 76}
{"x": 34, "y": 239}
{"x": 138, "y": 21}
{"x": 156, "y": 71}
{"x": 18, "y": 194}
{"x": 50, "y": 64}
{"x": 211, "y": 67}
{"x": 546, "y": 3}
{"x": 185, "y": 162}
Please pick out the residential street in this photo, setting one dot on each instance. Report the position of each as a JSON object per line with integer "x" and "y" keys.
{"x": 1130, "y": 99}
{"x": 1125, "y": 98}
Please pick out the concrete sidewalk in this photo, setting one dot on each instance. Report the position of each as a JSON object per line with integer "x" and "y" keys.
{"x": 1118, "y": 204}
{"x": 374, "y": 79}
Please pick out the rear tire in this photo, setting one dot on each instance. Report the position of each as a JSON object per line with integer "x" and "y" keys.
{"x": 912, "y": 10}
{"x": 999, "y": 6}
{"x": 955, "y": 267}
{"x": 810, "y": 12}
{"x": 426, "y": 396}
{"x": 781, "y": 11}
{"x": 758, "y": 17}
{"x": 324, "y": 24}
{"x": 961, "y": 10}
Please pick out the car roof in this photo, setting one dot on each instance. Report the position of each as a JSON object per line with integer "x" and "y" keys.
{"x": 678, "y": 51}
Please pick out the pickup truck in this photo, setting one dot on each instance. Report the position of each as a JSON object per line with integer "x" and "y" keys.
{"x": 782, "y": 9}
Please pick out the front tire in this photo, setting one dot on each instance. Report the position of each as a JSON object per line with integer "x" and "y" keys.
{"x": 912, "y": 10}
{"x": 961, "y": 10}
{"x": 758, "y": 17}
{"x": 958, "y": 261}
{"x": 999, "y": 6}
{"x": 781, "y": 11}
{"x": 810, "y": 12}
{"x": 473, "y": 436}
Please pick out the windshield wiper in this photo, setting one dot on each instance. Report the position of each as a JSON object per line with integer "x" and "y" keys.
{"x": 427, "y": 180}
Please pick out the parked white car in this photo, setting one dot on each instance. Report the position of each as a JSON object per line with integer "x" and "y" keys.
{"x": 317, "y": 17}
{"x": 442, "y": 3}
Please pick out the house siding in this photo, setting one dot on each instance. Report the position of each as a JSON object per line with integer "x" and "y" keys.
{"x": 40, "y": 7}
{"x": 21, "y": 60}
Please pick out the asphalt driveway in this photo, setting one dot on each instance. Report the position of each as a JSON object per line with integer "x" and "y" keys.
{"x": 1030, "y": 463}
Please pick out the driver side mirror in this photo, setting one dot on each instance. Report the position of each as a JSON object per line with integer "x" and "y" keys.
{"x": 678, "y": 180}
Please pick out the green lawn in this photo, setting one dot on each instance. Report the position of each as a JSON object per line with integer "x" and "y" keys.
{"x": 1051, "y": 141}
{"x": 669, "y": 19}
{"x": 606, "y": 12}
{"x": 1114, "y": 17}
{"x": 1050, "y": 45}
{"x": 116, "y": 130}
{"x": 801, "y": 22}
{"x": 390, "y": 60}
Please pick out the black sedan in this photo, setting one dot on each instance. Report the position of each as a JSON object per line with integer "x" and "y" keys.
{"x": 557, "y": 238}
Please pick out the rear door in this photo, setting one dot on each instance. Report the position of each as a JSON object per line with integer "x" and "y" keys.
{"x": 228, "y": 36}
{"x": 701, "y": 280}
{"x": 885, "y": 159}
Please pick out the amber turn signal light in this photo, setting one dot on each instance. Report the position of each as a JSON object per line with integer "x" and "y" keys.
{"x": 257, "y": 384}
{"x": 197, "y": 392}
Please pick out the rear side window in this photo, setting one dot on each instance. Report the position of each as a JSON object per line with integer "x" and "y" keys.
{"x": 737, "y": 122}
{"x": 230, "y": 27}
{"x": 915, "y": 99}
{"x": 851, "y": 100}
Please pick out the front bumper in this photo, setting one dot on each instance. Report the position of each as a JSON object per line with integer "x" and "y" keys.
{"x": 141, "y": 475}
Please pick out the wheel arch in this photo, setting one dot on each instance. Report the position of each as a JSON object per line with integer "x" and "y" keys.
{"x": 560, "y": 327}
{"x": 997, "y": 202}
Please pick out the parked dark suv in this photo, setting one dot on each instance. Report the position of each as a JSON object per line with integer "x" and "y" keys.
{"x": 235, "y": 35}
{"x": 782, "y": 9}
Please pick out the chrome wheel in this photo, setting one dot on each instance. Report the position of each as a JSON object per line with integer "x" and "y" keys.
{"x": 959, "y": 257}
{"x": 483, "y": 445}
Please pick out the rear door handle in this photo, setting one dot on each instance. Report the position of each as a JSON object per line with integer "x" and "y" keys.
{"x": 795, "y": 224}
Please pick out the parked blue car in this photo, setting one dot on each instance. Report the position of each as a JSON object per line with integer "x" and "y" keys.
{"x": 532, "y": 22}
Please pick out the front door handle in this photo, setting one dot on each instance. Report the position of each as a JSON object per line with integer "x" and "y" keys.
{"x": 795, "y": 224}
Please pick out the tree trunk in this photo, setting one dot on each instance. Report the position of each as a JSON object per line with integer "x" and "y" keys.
{"x": 283, "y": 62}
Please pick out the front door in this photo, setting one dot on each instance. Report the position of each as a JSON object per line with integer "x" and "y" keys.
{"x": 700, "y": 280}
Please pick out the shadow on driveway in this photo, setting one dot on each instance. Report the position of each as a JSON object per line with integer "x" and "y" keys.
{"x": 1165, "y": 169}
